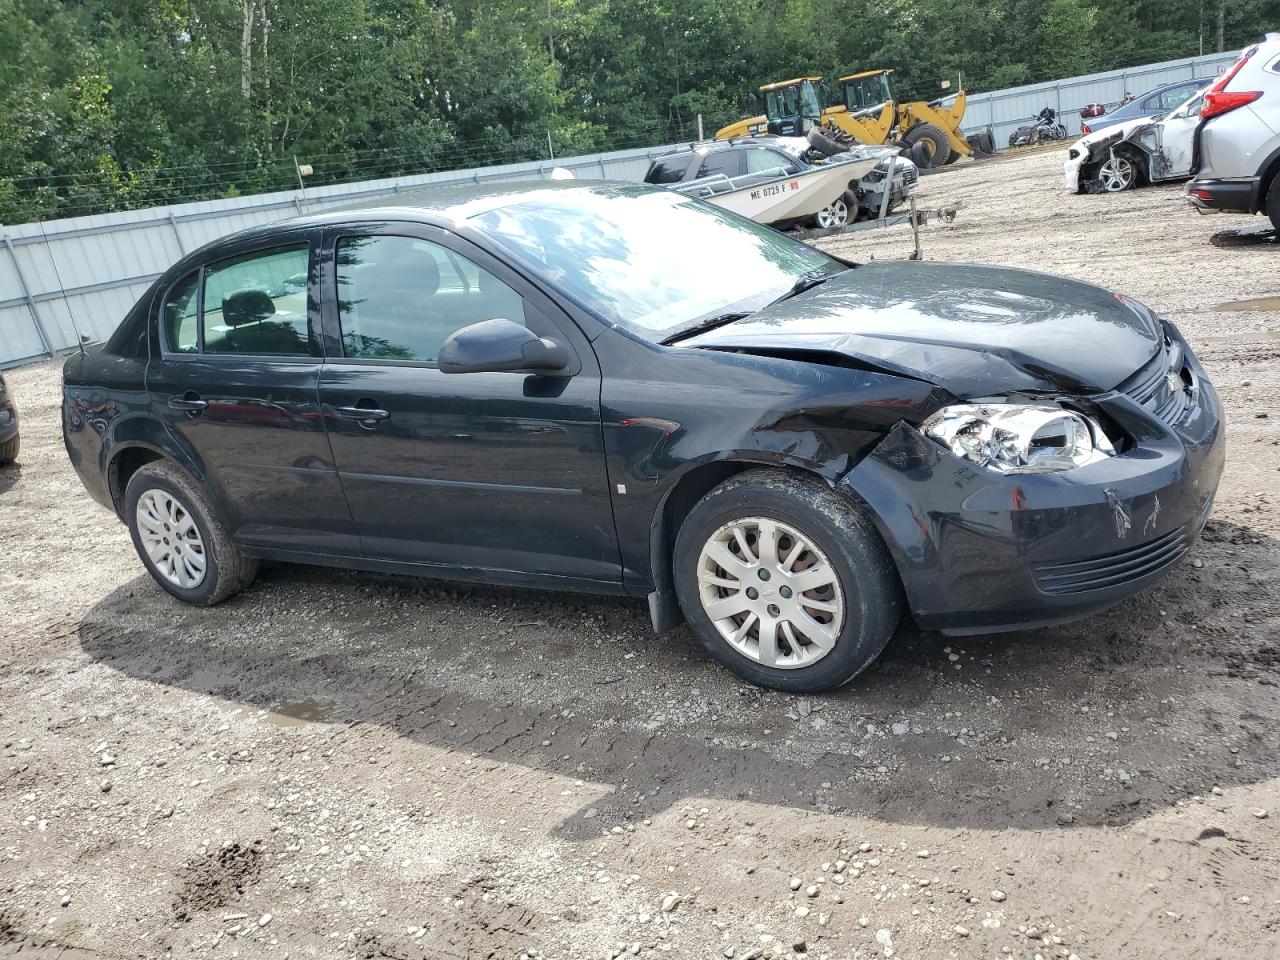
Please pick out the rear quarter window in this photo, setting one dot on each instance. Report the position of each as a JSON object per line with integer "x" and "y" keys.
{"x": 181, "y": 315}
{"x": 667, "y": 171}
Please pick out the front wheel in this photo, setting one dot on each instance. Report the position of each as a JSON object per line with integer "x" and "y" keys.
{"x": 929, "y": 145}
{"x": 180, "y": 539}
{"x": 1116, "y": 174}
{"x": 786, "y": 582}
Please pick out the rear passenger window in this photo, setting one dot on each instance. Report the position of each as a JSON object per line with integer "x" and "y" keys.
{"x": 767, "y": 161}
{"x": 182, "y": 315}
{"x": 399, "y": 298}
{"x": 667, "y": 171}
{"x": 726, "y": 162}
{"x": 257, "y": 304}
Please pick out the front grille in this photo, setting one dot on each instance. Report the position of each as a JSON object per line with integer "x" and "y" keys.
{"x": 1112, "y": 569}
{"x": 1163, "y": 385}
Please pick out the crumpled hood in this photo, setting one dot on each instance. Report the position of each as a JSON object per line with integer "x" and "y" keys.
{"x": 973, "y": 330}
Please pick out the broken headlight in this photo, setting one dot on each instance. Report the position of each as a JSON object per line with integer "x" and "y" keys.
{"x": 1019, "y": 438}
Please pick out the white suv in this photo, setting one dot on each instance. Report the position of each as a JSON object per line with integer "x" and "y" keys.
{"x": 1237, "y": 166}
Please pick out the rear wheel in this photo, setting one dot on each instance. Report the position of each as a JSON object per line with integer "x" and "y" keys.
{"x": 929, "y": 145}
{"x": 1273, "y": 206}
{"x": 785, "y": 582}
{"x": 182, "y": 542}
{"x": 9, "y": 450}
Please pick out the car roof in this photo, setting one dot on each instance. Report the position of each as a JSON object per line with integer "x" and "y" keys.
{"x": 447, "y": 205}
{"x": 711, "y": 146}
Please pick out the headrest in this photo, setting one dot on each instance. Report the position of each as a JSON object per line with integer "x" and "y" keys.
{"x": 406, "y": 268}
{"x": 246, "y": 306}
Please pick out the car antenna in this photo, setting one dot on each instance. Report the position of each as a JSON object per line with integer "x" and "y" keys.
{"x": 57, "y": 275}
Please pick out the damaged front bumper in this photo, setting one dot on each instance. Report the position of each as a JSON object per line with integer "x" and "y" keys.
{"x": 980, "y": 552}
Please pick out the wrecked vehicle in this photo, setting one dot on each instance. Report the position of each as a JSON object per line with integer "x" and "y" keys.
{"x": 1134, "y": 153}
{"x": 618, "y": 389}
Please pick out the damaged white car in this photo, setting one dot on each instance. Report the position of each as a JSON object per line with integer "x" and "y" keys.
{"x": 1134, "y": 153}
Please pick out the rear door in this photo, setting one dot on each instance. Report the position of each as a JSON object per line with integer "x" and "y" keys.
{"x": 233, "y": 376}
{"x": 482, "y": 471}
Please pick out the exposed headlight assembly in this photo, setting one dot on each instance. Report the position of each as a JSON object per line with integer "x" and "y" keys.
{"x": 1019, "y": 438}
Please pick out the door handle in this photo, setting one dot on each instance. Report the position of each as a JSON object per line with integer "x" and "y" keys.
{"x": 189, "y": 403}
{"x": 367, "y": 414}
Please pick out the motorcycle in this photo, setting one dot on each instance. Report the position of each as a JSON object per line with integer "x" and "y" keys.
{"x": 1045, "y": 128}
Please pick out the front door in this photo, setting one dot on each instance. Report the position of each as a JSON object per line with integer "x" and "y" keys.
{"x": 482, "y": 471}
{"x": 233, "y": 376}
{"x": 1177, "y": 133}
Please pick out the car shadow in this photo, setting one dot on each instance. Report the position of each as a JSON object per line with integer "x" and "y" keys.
{"x": 10, "y": 476}
{"x": 1254, "y": 235}
{"x": 1026, "y": 730}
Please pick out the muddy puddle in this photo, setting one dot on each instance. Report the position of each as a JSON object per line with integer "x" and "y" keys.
{"x": 299, "y": 713}
{"x": 1256, "y": 305}
{"x": 1252, "y": 335}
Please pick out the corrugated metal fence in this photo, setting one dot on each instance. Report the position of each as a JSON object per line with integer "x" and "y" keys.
{"x": 78, "y": 277}
{"x": 1006, "y": 110}
{"x": 65, "y": 279}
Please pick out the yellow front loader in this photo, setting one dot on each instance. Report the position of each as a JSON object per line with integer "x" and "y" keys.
{"x": 868, "y": 112}
{"x": 865, "y": 112}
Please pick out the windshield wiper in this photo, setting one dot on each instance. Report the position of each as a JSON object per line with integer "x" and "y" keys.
{"x": 719, "y": 320}
{"x": 808, "y": 281}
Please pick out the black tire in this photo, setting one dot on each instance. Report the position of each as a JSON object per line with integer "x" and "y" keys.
{"x": 934, "y": 148}
{"x": 1273, "y": 207}
{"x": 828, "y": 142}
{"x": 9, "y": 450}
{"x": 864, "y": 570}
{"x": 227, "y": 569}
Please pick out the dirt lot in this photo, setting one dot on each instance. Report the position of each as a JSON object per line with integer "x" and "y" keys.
{"x": 337, "y": 765}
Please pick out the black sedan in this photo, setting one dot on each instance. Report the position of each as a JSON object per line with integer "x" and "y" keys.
{"x": 9, "y": 439}
{"x": 617, "y": 389}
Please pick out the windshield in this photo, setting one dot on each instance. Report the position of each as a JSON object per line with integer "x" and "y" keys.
{"x": 779, "y": 104}
{"x": 799, "y": 99}
{"x": 649, "y": 260}
{"x": 867, "y": 92}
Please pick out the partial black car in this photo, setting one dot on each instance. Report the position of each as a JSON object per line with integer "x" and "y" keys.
{"x": 10, "y": 441}
{"x": 617, "y": 389}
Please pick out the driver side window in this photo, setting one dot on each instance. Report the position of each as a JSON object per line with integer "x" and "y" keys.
{"x": 400, "y": 298}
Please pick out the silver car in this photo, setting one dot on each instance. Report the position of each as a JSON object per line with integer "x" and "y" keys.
{"x": 1238, "y": 140}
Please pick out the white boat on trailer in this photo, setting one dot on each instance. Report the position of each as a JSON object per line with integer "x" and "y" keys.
{"x": 786, "y": 199}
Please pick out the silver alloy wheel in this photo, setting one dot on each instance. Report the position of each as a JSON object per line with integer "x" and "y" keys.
{"x": 1116, "y": 174}
{"x": 771, "y": 593}
{"x": 834, "y": 215}
{"x": 171, "y": 538}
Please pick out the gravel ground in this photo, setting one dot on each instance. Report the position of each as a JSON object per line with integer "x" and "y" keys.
{"x": 336, "y": 765}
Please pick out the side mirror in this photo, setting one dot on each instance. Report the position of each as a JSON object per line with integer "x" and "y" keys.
{"x": 495, "y": 346}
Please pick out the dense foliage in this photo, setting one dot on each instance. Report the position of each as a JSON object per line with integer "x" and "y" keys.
{"x": 109, "y": 104}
